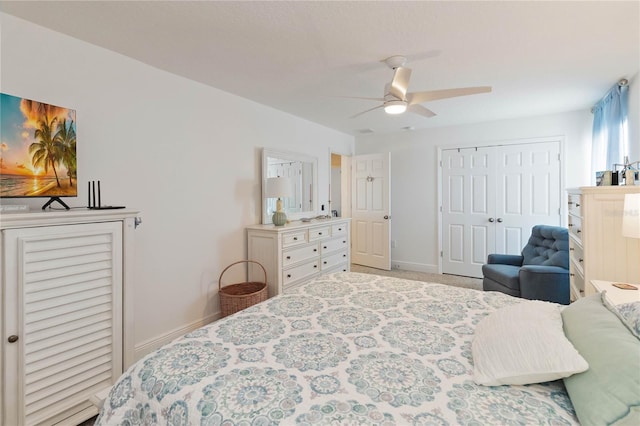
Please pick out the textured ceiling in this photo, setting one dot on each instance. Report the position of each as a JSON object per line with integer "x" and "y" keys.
{"x": 300, "y": 57}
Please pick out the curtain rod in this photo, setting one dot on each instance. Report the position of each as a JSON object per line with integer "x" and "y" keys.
{"x": 621, "y": 83}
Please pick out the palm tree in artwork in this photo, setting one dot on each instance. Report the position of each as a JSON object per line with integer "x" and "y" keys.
{"x": 46, "y": 151}
{"x": 66, "y": 138}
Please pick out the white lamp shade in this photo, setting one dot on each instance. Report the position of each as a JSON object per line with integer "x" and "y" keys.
{"x": 631, "y": 216}
{"x": 278, "y": 187}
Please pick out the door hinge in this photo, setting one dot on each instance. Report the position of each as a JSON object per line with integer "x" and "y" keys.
{"x": 558, "y": 156}
{"x": 440, "y": 253}
{"x": 440, "y": 163}
{"x": 440, "y": 209}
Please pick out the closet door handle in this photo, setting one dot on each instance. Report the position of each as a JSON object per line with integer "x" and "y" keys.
{"x": 499, "y": 220}
{"x": 12, "y": 339}
{"x": 491, "y": 220}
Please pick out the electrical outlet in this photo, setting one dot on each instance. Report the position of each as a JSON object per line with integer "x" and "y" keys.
{"x": 395, "y": 266}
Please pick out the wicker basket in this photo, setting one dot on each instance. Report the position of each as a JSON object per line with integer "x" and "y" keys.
{"x": 236, "y": 297}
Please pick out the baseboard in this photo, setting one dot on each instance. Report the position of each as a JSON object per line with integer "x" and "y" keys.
{"x": 415, "y": 267}
{"x": 151, "y": 345}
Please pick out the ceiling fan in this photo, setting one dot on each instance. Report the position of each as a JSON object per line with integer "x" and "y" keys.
{"x": 397, "y": 100}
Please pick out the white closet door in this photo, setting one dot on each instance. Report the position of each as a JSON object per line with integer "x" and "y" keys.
{"x": 527, "y": 192}
{"x": 468, "y": 177}
{"x": 491, "y": 198}
{"x": 64, "y": 304}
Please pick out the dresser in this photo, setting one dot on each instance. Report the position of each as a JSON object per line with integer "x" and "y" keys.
{"x": 66, "y": 332}
{"x": 294, "y": 253}
{"x": 597, "y": 248}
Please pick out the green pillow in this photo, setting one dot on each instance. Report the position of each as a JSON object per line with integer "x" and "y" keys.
{"x": 609, "y": 391}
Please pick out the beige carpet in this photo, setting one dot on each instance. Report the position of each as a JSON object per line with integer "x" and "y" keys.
{"x": 454, "y": 280}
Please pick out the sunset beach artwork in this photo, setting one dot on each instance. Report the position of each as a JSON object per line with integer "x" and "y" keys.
{"x": 37, "y": 149}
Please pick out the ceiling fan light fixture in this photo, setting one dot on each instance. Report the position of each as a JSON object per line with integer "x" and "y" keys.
{"x": 395, "y": 107}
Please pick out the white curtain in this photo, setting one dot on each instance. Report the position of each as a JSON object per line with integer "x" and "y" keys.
{"x": 610, "y": 128}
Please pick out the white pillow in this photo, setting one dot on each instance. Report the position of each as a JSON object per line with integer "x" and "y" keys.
{"x": 521, "y": 344}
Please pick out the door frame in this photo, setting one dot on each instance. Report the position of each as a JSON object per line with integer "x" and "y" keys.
{"x": 502, "y": 142}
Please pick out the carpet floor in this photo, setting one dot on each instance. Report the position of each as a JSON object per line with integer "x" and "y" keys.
{"x": 453, "y": 280}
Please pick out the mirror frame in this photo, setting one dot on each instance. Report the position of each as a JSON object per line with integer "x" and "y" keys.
{"x": 293, "y": 156}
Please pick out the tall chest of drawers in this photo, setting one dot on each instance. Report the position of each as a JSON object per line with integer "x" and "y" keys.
{"x": 597, "y": 248}
{"x": 294, "y": 253}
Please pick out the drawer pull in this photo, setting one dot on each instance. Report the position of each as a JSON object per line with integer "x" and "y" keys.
{"x": 315, "y": 250}
{"x": 344, "y": 241}
{"x": 12, "y": 339}
{"x": 319, "y": 233}
{"x": 570, "y": 202}
{"x": 572, "y": 275}
{"x": 344, "y": 255}
{"x": 339, "y": 229}
{"x": 580, "y": 260}
{"x": 288, "y": 257}
{"x": 577, "y": 205}
{"x": 570, "y": 225}
{"x": 288, "y": 275}
{"x": 578, "y": 231}
{"x": 295, "y": 238}
{"x": 315, "y": 266}
{"x": 571, "y": 249}
{"x": 324, "y": 247}
{"x": 324, "y": 263}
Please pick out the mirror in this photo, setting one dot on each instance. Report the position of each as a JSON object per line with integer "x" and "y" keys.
{"x": 303, "y": 172}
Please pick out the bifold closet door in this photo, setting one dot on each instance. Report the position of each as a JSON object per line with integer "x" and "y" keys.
{"x": 491, "y": 198}
{"x": 63, "y": 310}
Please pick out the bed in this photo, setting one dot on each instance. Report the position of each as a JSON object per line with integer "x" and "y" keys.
{"x": 344, "y": 348}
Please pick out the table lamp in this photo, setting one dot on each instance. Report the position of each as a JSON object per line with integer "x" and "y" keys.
{"x": 631, "y": 216}
{"x": 278, "y": 187}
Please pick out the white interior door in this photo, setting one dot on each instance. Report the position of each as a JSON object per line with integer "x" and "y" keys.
{"x": 467, "y": 204}
{"x": 491, "y": 198}
{"x": 370, "y": 209}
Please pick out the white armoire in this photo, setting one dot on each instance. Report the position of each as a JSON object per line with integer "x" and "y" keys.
{"x": 66, "y": 330}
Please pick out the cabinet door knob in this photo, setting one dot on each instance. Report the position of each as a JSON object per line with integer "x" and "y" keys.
{"x": 324, "y": 247}
{"x": 315, "y": 250}
{"x": 315, "y": 266}
{"x": 324, "y": 263}
{"x": 288, "y": 257}
{"x": 12, "y": 339}
{"x": 295, "y": 238}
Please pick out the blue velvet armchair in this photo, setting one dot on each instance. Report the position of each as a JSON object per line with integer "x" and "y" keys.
{"x": 541, "y": 272}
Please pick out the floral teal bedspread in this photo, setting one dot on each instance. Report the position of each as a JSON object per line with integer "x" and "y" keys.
{"x": 345, "y": 348}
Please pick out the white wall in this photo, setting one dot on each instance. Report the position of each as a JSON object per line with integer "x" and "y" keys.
{"x": 186, "y": 155}
{"x": 634, "y": 118}
{"x": 414, "y": 172}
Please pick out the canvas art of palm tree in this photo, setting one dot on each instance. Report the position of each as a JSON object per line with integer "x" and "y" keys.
{"x": 37, "y": 149}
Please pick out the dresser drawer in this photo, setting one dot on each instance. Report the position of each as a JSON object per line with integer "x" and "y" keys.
{"x": 577, "y": 280}
{"x": 299, "y": 254}
{"x": 296, "y": 273}
{"x": 333, "y": 260}
{"x": 575, "y": 226}
{"x": 576, "y": 254}
{"x": 575, "y": 204}
{"x": 333, "y": 245}
{"x": 339, "y": 229}
{"x": 318, "y": 233}
{"x": 293, "y": 238}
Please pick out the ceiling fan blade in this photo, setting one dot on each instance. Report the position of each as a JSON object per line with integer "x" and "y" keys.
{"x": 400, "y": 83}
{"x": 433, "y": 95}
{"x": 364, "y": 112}
{"x": 359, "y": 97}
{"x": 419, "y": 109}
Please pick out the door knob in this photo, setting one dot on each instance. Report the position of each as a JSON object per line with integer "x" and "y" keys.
{"x": 12, "y": 339}
{"x": 387, "y": 217}
{"x": 491, "y": 219}
{"x": 499, "y": 220}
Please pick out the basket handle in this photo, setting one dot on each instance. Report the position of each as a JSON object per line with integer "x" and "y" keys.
{"x": 235, "y": 263}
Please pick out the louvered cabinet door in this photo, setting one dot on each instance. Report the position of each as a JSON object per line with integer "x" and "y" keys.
{"x": 63, "y": 294}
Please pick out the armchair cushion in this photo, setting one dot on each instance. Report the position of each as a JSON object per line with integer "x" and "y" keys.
{"x": 507, "y": 275}
{"x": 506, "y": 259}
{"x": 548, "y": 245}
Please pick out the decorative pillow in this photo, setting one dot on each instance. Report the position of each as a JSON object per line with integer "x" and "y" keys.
{"x": 609, "y": 392}
{"x": 521, "y": 344}
{"x": 629, "y": 314}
